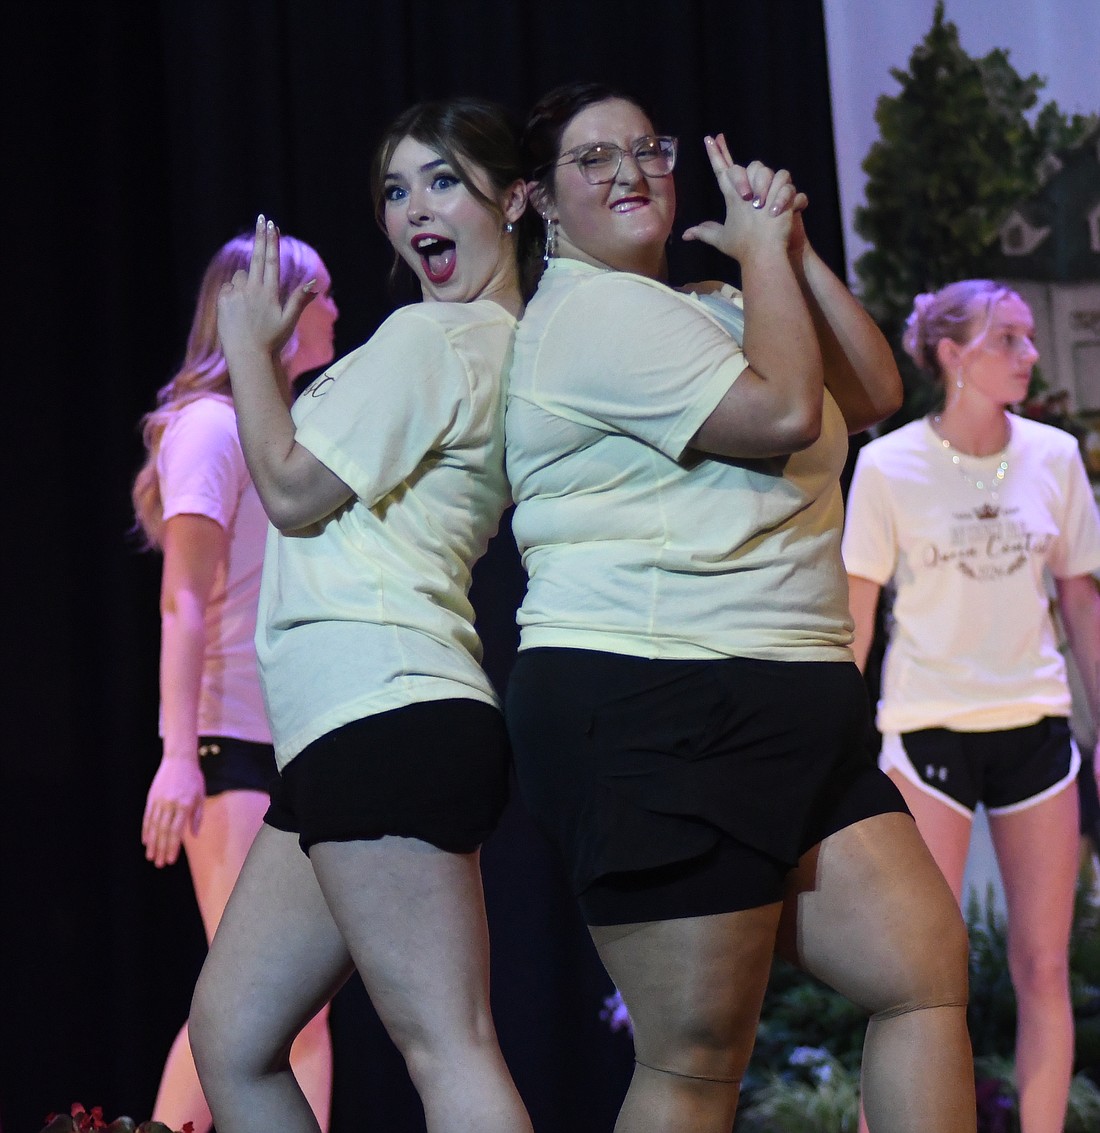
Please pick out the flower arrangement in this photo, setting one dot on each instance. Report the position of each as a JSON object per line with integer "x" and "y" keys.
{"x": 81, "y": 1120}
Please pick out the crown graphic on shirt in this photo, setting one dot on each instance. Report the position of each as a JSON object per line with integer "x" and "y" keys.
{"x": 987, "y": 511}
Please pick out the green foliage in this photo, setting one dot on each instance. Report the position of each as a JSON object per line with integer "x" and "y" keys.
{"x": 991, "y": 1016}
{"x": 1082, "y": 1112}
{"x": 956, "y": 154}
{"x": 824, "y": 1099}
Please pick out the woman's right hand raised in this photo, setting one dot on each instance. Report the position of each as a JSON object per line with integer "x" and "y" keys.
{"x": 760, "y": 205}
{"x": 251, "y": 315}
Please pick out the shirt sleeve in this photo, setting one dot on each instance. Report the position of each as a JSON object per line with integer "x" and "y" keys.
{"x": 1077, "y": 548}
{"x": 869, "y": 544}
{"x": 374, "y": 416}
{"x": 200, "y": 466}
{"x": 632, "y": 356}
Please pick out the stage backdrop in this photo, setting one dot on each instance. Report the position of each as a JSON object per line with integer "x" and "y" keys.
{"x": 137, "y": 138}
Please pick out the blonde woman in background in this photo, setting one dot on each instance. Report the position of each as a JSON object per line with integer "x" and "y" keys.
{"x": 965, "y": 513}
{"x": 195, "y": 502}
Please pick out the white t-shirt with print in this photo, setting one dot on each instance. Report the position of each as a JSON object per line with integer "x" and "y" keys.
{"x": 972, "y": 645}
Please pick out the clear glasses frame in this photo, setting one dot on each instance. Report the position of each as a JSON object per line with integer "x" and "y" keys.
{"x": 600, "y": 162}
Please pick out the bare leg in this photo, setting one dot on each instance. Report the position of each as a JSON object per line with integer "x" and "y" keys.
{"x": 947, "y": 835}
{"x": 275, "y": 960}
{"x": 693, "y": 988}
{"x": 413, "y": 917}
{"x": 1037, "y": 850}
{"x": 945, "y": 831}
{"x": 215, "y": 858}
{"x": 869, "y": 912}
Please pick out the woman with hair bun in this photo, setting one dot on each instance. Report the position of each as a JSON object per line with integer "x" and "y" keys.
{"x": 195, "y": 502}
{"x": 963, "y": 515}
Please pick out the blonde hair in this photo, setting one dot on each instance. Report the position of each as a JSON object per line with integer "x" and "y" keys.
{"x": 960, "y": 311}
{"x": 203, "y": 372}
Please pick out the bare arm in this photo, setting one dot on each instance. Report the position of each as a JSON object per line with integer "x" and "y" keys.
{"x": 863, "y": 595}
{"x": 195, "y": 550}
{"x": 295, "y": 488}
{"x": 774, "y": 408}
{"x": 860, "y": 371}
{"x": 1079, "y": 603}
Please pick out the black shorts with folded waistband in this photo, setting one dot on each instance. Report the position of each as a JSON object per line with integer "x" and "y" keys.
{"x": 436, "y": 770}
{"x": 685, "y": 788}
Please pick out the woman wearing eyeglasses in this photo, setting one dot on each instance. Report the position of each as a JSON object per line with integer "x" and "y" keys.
{"x": 963, "y": 514}
{"x": 687, "y": 721}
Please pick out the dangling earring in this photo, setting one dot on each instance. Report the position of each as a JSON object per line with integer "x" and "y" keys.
{"x": 959, "y": 378}
{"x": 550, "y": 248}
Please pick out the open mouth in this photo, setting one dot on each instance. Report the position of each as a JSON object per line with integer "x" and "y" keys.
{"x": 629, "y": 204}
{"x": 437, "y": 255}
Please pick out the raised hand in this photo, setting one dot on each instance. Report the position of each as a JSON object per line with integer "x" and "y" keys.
{"x": 762, "y": 205}
{"x": 251, "y": 316}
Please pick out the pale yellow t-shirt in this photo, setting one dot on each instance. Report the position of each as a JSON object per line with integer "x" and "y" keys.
{"x": 634, "y": 543}
{"x": 367, "y": 610}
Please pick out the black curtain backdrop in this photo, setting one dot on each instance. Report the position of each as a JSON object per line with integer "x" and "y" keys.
{"x": 137, "y": 138}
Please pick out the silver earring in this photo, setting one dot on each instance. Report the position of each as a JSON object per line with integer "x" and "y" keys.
{"x": 509, "y": 228}
{"x": 550, "y": 248}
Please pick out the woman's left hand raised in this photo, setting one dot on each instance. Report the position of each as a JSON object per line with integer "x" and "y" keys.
{"x": 769, "y": 192}
{"x": 251, "y": 315}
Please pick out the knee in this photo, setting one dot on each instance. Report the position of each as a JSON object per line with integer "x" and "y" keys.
{"x": 1039, "y": 972}
{"x": 435, "y": 1046}
{"x": 706, "y": 1049}
{"x": 931, "y": 967}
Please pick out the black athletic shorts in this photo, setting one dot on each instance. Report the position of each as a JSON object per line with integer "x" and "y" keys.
{"x": 436, "y": 770}
{"x": 1005, "y": 770}
{"x": 236, "y": 765}
{"x": 686, "y": 788}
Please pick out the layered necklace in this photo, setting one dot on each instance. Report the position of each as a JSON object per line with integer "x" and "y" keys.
{"x": 990, "y": 482}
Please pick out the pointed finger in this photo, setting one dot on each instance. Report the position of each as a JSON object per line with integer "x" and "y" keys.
{"x": 271, "y": 257}
{"x": 259, "y": 250}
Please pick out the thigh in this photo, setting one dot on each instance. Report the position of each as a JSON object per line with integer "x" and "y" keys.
{"x": 693, "y": 986}
{"x": 1038, "y": 851}
{"x": 945, "y": 829}
{"x": 277, "y": 956}
{"x": 869, "y": 912}
{"x": 413, "y": 917}
{"x": 216, "y": 854}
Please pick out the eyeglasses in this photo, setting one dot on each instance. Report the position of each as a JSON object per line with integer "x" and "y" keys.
{"x": 599, "y": 162}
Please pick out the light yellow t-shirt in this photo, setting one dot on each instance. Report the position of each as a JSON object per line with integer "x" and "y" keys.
{"x": 367, "y": 610}
{"x": 634, "y": 543}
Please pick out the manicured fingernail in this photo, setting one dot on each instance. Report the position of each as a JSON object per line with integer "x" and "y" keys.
{"x": 310, "y": 286}
{"x": 270, "y": 225}
{"x": 757, "y": 202}
{"x": 260, "y": 221}
{"x": 774, "y": 210}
